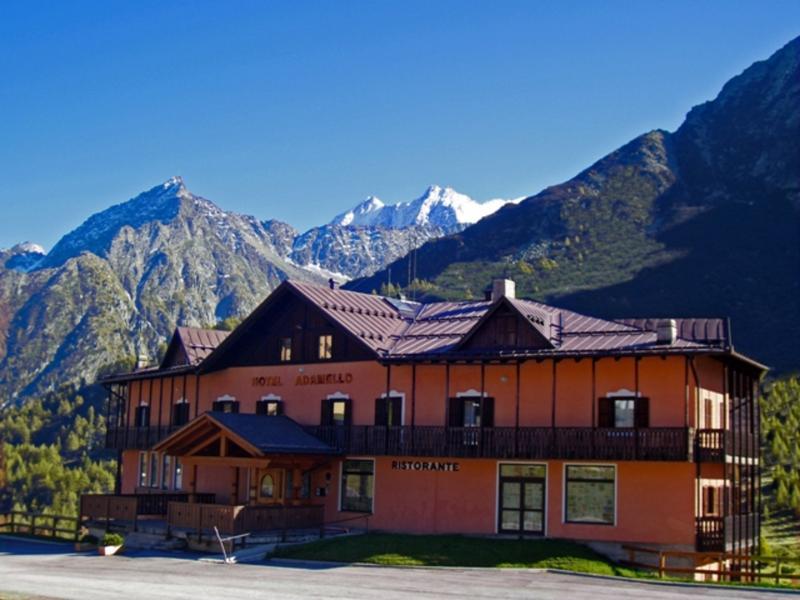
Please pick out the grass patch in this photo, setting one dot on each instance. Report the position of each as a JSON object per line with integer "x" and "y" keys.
{"x": 455, "y": 551}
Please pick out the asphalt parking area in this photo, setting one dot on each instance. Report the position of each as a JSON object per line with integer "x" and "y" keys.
{"x": 37, "y": 570}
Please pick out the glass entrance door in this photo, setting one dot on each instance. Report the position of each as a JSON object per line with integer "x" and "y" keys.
{"x": 522, "y": 499}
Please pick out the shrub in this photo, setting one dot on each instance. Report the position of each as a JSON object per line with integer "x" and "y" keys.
{"x": 113, "y": 539}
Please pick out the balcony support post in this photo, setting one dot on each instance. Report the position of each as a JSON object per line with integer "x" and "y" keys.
{"x": 483, "y": 404}
{"x": 160, "y": 407}
{"x": 413, "y": 402}
{"x": 516, "y": 409}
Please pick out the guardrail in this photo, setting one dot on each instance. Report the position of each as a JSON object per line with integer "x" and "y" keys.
{"x": 40, "y": 524}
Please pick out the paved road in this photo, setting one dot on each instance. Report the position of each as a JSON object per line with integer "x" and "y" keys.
{"x": 51, "y": 571}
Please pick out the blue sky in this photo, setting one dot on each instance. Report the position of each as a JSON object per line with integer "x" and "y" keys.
{"x": 298, "y": 110}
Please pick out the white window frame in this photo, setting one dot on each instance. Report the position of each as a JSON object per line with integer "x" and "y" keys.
{"x": 497, "y": 491}
{"x": 564, "y": 493}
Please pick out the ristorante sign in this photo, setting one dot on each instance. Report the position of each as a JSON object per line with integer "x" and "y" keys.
{"x": 422, "y": 465}
{"x": 302, "y": 379}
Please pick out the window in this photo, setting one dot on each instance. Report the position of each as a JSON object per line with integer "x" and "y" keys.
{"x": 305, "y": 487}
{"x": 272, "y": 408}
{"x": 166, "y": 463}
{"x": 336, "y": 412}
{"x": 180, "y": 413}
{"x": 153, "y": 469}
{"x": 389, "y": 411}
{"x": 286, "y": 349}
{"x": 711, "y": 501}
{"x": 623, "y": 412}
{"x": 357, "y": 485}
{"x": 142, "y": 417}
{"x": 339, "y": 412}
{"x": 267, "y": 487}
{"x": 471, "y": 411}
{"x": 142, "y": 469}
{"x": 708, "y": 413}
{"x": 589, "y": 493}
{"x": 226, "y": 404}
{"x": 325, "y": 347}
{"x": 178, "y": 481}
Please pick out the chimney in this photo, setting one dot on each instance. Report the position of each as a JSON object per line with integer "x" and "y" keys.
{"x": 142, "y": 361}
{"x": 666, "y": 332}
{"x": 331, "y": 283}
{"x": 503, "y": 288}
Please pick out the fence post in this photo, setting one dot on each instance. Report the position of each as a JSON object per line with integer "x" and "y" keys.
{"x": 777, "y": 571}
{"x": 12, "y": 528}
{"x": 33, "y": 524}
{"x": 662, "y": 563}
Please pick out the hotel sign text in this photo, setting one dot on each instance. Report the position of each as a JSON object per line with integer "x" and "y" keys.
{"x": 321, "y": 379}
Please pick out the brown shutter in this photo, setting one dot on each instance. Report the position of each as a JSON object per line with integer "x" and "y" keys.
{"x": 455, "y": 412}
{"x": 348, "y": 412}
{"x": 279, "y": 407}
{"x": 605, "y": 413}
{"x": 380, "y": 412}
{"x": 396, "y": 406}
{"x": 261, "y": 407}
{"x": 641, "y": 412}
{"x": 326, "y": 413}
{"x": 487, "y": 412}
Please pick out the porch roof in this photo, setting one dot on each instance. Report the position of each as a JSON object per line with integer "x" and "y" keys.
{"x": 261, "y": 435}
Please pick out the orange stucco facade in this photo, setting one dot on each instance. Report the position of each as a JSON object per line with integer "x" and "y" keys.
{"x": 655, "y": 501}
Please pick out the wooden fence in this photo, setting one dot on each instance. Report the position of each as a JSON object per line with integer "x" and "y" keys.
{"x": 42, "y": 525}
{"x": 717, "y": 566}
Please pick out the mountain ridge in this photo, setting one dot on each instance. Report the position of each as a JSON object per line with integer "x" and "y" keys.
{"x": 701, "y": 221}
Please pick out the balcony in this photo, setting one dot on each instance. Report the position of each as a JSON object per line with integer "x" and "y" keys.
{"x": 137, "y": 438}
{"x": 713, "y": 445}
{"x": 720, "y": 534}
{"x": 574, "y": 443}
{"x": 583, "y": 443}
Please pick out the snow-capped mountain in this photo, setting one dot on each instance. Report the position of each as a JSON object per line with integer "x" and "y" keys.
{"x": 373, "y": 233}
{"x": 120, "y": 282}
{"x": 440, "y": 207}
{"x": 23, "y": 257}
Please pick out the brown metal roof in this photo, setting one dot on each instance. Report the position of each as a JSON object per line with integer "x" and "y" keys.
{"x": 397, "y": 330}
{"x": 198, "y": 343}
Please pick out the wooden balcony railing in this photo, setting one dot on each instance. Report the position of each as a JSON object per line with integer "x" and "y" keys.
{"x": 127, "y": 508}
{"x": 713, "y": 445}
{"x": 510, "y": 442}
{"x": 721, "y": 534}
{"x": 584, "y": 443}
{"x": 201, "y": 518}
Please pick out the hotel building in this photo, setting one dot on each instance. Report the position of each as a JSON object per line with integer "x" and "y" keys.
{"x": 503, "y": 416}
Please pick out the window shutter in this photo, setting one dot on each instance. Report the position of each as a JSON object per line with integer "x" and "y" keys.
{"x": 348, "y": 411}
{"x": 456, "y": 412}
{"x": 235, "y": 407}
{"x": 279, "y": 407}
{"x": 396, "y": 406}
{"x": 261, "y": 407}
{"x": 487, "y": 412}
{"x": 641, "y": 412}
{"x": 326, "y": 414}
{"x": 605, "y": 413}
{"x": 380, "y": 412}
{"x": 216, "y": 406}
